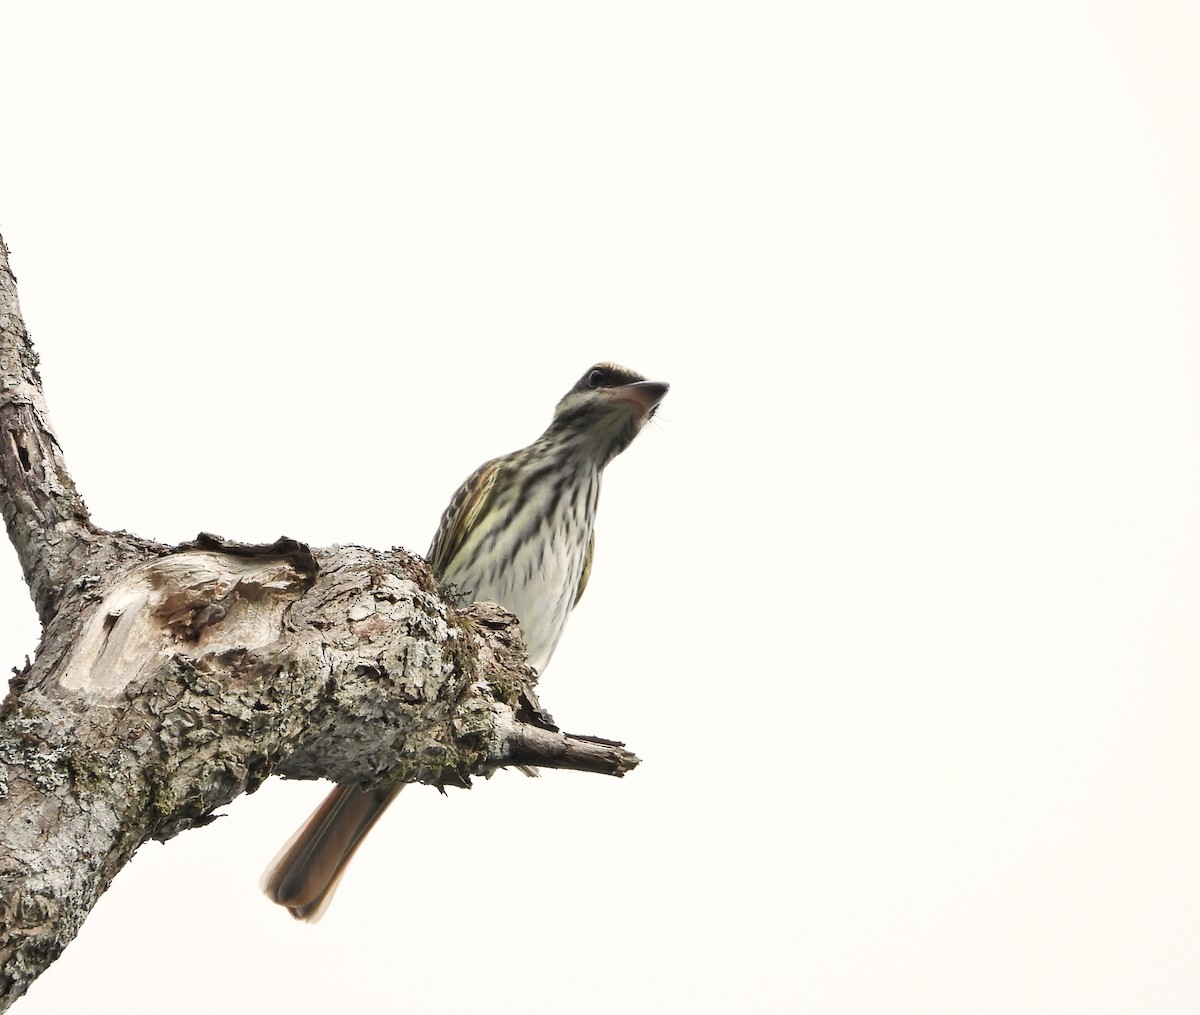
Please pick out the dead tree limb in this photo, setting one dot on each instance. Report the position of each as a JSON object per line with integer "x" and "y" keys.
{"x": 46, "y": 518}
{"x": 171, "y": 679}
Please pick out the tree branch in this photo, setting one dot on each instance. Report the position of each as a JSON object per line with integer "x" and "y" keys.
{"x": 46, "y": 518}
{"x": 541, "y": 748}
{"x": 169, "y": 680}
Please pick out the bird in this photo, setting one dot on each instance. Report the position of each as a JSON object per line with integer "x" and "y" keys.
{"x": 518, "y": 532}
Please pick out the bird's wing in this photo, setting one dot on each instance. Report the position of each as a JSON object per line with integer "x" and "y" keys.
{"x": 461, "y": 514}
{"x": 587, "y": 569}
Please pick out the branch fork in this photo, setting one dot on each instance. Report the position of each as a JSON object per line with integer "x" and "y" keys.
{"x": 171, "y": 679}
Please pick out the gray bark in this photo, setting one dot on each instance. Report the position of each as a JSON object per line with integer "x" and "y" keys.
{"x": 170, "y": 679}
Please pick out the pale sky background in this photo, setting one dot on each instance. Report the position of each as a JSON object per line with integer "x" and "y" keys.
{"x": 898, "y": 599}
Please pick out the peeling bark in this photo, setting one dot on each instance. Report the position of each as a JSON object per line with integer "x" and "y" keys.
{"x": 169, "y": 680}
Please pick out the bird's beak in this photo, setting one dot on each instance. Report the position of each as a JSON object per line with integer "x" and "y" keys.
{"x": 644, "y": 395}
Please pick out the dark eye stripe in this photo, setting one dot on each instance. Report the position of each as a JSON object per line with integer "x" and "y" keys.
{"x": 607, "y": 375}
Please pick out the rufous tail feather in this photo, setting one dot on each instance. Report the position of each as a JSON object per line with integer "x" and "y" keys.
{"x": 306, "y": 872}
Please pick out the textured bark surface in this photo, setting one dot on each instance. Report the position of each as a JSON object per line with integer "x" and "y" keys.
{"x": 171, "y": 679}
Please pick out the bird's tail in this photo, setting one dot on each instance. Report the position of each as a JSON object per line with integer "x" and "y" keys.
{"x": 305, "y": 874}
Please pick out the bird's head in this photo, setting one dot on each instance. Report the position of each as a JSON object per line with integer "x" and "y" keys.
{"x": 606, "y": 408}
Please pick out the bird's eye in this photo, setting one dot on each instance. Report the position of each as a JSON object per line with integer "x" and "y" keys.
{"x": 594, "y": 378}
